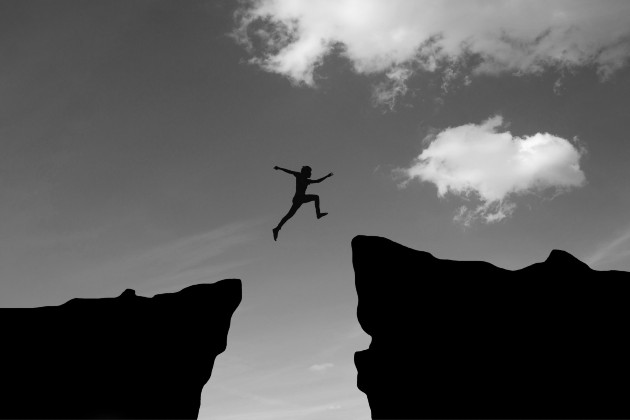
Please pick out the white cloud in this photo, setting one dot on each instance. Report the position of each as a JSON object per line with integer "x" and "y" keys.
{"x": 478, "y": 161}
{"x": 321, "y": 367}
{"x": 394, "y": 86}
{"x": 395, "y": 37}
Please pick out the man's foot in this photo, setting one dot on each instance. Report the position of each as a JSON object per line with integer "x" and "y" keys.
{"x": 320, "y": 215}
{"x": 275, "y": 234}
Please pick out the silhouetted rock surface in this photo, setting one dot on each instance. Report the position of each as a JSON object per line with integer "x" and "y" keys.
{"x": 457, "y": 339}
{"x": 125, "y": 357}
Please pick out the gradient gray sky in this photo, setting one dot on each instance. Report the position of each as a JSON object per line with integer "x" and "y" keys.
{"x": 138, "y": 141}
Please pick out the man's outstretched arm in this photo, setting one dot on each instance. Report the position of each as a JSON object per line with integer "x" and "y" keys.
{"x": 277, "y": 168}
{"x": 315, "y": 181}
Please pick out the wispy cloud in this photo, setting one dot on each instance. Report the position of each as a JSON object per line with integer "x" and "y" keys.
{"x": 296, "y": 397}
{"x": 192, "y": 259}
{"x": 495, "y": 166}
{"x": 286, "y": 413}
{"x": 612, "y": 251}
{"x": 321, "y": 367}
{"x": 286, "y": 384}
{"x": 396, "y": 38}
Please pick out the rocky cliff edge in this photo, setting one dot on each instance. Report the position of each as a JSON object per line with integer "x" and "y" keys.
{"x": 124, "y": 357}
{"x": 453, "y": 339}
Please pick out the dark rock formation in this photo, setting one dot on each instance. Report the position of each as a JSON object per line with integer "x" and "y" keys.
{"x": 125, "y": 357}
{"x": 470, "y": 340}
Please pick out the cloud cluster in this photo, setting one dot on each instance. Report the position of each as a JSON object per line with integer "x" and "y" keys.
{"x": 480, "y": 162}
{"x": 399, "y": 37}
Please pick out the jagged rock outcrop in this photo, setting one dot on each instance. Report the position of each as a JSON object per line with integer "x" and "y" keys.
{"x": 457, "y": 339}
{"x": 124, "y": 357}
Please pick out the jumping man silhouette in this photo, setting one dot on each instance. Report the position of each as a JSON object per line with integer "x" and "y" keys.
{"x": 302, "y": 180}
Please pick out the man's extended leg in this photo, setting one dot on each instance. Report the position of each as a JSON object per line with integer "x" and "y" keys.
{"x": 315, "y": 198}
{"x": 294, "y": 208}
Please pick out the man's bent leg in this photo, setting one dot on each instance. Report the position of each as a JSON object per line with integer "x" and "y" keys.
{"x": 315, "y": 198}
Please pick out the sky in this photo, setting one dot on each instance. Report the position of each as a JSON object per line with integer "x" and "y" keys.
{"x": 139, "y": 139}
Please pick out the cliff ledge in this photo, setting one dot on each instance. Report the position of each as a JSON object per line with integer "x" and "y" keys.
{"x": 454, "y": 339}
{"x": 124, "y": 357}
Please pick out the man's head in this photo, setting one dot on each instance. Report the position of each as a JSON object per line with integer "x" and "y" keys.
{"x": 306, "y": 171}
